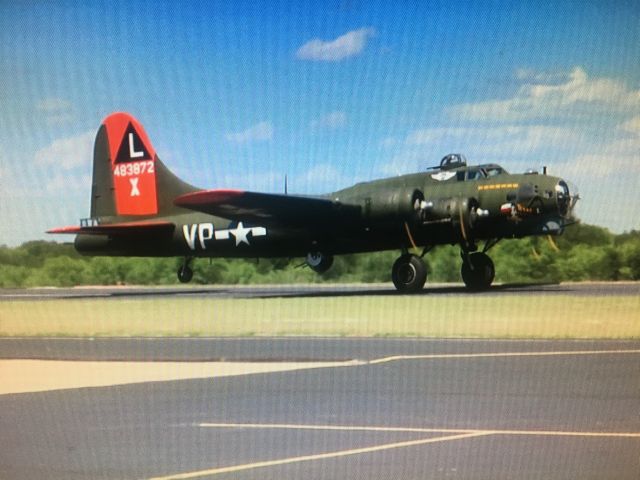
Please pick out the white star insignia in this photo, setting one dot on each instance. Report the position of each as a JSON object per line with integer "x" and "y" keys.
{"x": 240, "y": 232}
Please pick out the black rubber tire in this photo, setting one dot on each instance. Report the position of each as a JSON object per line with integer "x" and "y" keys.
{"x": 409, "y": 274}
{"x": 319, "y": 262}
{"x": 185, "y": 274}
{"x": 478, "y": 272}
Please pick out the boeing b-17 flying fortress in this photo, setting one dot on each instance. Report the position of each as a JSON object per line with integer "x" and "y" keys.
{"x": 140, "y": 208}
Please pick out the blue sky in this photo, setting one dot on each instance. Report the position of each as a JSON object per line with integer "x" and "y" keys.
{"x": 238, "y": 94}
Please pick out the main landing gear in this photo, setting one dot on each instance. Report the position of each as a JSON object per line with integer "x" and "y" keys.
{"x": 185, "y": 273}
{"x": 409, "y": 273}
{"x": 477, "y": 269}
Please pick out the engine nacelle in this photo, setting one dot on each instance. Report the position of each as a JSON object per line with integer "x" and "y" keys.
{"x": 462, "y": 213}
{"x": 393, "y": 204}
{"x": 449, "y": 209}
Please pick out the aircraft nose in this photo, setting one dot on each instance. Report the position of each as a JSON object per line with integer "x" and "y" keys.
{"x": 566, "y": 197}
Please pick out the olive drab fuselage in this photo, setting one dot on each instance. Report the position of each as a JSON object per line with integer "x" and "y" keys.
{"x": 385, "y": 218}
{"x": 140, "y": 208}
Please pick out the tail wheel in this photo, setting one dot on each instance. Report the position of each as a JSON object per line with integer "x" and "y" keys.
{"x": 477, "y": 271}
{"x": 409, "y": 273}
{"x": 185, "y": 274}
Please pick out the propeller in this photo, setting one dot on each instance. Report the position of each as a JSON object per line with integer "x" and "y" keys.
{"x": 552, "y": 243}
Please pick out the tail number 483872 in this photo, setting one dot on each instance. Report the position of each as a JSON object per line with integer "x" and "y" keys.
{"x": 133, "y": 168}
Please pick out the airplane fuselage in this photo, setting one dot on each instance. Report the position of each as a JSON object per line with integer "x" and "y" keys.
{"x": 140, "y": 208}
{"x": 383, "y": 221}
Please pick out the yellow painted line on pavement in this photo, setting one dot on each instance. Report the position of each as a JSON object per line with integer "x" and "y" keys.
{"x": 454, "y": 434}
{"x": 366, "y": 428}
{"x": 320, "y": 456}
{"x": 349, "y": 428}
{"x": 26, "y": 375}
{"x": 396, "y": 358}
{"x": 560, "y": 433}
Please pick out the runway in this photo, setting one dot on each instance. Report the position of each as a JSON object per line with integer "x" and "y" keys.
{"x": 389, "y": 408}
{"x": 317, "y": 290}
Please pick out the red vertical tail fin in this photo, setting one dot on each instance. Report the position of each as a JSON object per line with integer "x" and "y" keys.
{"x": 132, "y": 159}
{"x": 128, "y": 177}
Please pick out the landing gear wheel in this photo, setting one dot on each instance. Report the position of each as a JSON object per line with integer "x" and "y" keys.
{"x": 477, "y": 271}
{"x": 319, "y": 262}
{"x": 185, "y": 274}
{"x": 409, "y": 273}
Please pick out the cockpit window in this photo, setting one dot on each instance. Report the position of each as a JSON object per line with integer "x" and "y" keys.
{"x": 467, "y": 174}
{"x": 474, "y": 174}
{"x": 492, "y": 171}
{"x": 470, "y": 174}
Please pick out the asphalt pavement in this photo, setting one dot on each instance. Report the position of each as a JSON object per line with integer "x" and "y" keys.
{"x": 408, "y": 409}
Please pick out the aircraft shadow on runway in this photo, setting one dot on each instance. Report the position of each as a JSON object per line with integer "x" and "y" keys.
{"x": 532, "y": 288}
{"x": 338, "y": 291}
{"x": 288, "y": 291}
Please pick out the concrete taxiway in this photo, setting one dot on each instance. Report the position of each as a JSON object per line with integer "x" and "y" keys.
{"x": 388, "y": 408}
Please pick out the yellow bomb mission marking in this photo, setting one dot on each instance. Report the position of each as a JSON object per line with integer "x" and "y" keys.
{"x": 498, "y": 186}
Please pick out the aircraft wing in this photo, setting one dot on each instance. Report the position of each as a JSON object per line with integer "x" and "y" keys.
{"x": 267, "y": 208}
{"x": 125, "y": 228}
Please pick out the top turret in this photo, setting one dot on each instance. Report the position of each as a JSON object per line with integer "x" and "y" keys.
{"x": 453, "y": 160}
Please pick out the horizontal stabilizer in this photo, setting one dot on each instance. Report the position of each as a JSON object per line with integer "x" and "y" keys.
{"x": 266, "y": 208}
{"x": 126, "y": 228}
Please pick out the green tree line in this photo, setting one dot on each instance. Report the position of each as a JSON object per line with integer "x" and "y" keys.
{"x": 584, "y": 252}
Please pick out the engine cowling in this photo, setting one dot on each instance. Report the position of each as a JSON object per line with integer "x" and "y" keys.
{"x": 394, "y": 204}
{"x": 450, "y": 209}
{"x": 462, "y": 213}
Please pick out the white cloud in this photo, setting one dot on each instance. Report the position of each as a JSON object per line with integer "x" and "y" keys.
{"x": 60, "y": 119}
{"x": 402, "y": 163}
{"x": 631, "y": 126}
{"x": 56, "y": 111}
{"x": 541, "y": 77}
{"x": 496, "y": 139}
{"x": 53, "y": 104}
{"x": 263, "y": 181}
{"x": 257, "y": 133}
{"x": 345, "y": 46}
{"x": 319, "y": 172}
{"x": 389, "y": 142}
{"x": 70, "y": 183}
{"x": 331, "y": 121}
{"x": 607, "y": 179}
{"x": 68, "y": 153}
{"x": 40, "y": 197}
{"x": 545, "y": 96}
{"x": 318, "y": 179}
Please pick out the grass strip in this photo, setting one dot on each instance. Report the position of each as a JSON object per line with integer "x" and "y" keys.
{"x": 512, "y": 316}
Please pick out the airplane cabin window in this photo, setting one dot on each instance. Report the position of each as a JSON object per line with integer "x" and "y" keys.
{"x": 474, "y": 174}
{"x": 493, "y": 171}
